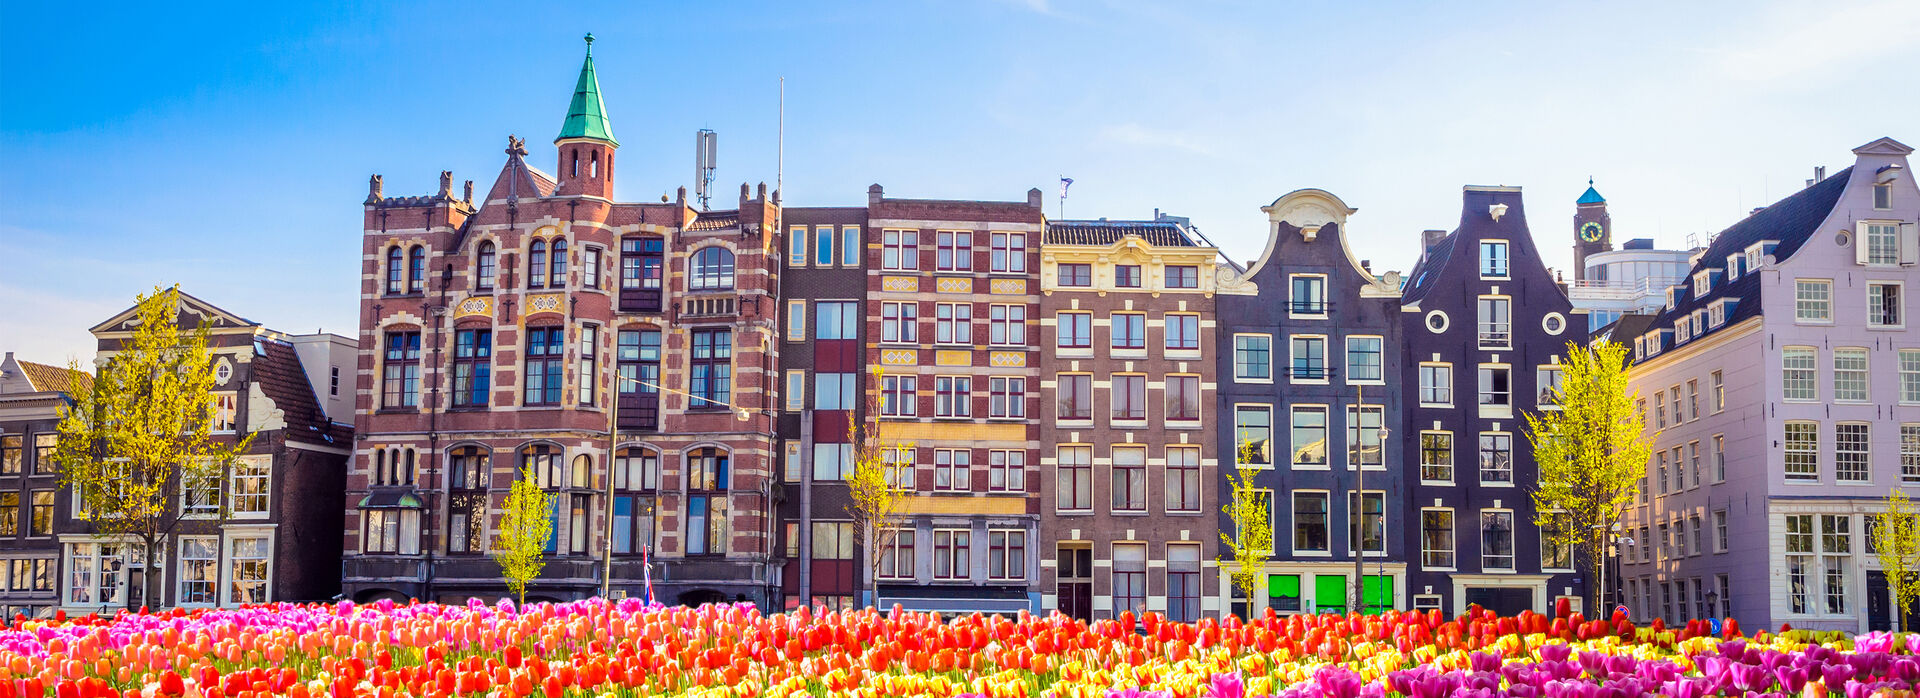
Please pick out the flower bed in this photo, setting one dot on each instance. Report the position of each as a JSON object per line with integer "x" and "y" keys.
{"x": 625, "y": 648}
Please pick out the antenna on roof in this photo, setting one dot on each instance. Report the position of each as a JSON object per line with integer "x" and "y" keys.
{"x": 705, "y": 150}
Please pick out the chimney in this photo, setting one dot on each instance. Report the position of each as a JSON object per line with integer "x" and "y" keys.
{"x": 1430, "y": 238}
{"x": 762, "y": 192}
{"x": 873, "y": 195}
{"x": 744, "y": 191}
{"x": 469, "y": 196}
{"x": 1033, "y": 197}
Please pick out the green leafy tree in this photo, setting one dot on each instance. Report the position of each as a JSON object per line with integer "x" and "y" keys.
{"x": 525, "y": 525}
{"x": 1896, "y": 536}
{"x": 877, "y": 501}
{"x": 1249, "y": 509}
{"x": 137, "y": 443}
{"x": 1591, "y": 452}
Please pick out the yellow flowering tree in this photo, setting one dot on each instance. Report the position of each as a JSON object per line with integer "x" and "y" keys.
{"x": 137, "y": 443}
{"x": 1249, "y": 509}
{"x": 1591, "y": 452}
{"x": 878, "y": 500}
{"x": 525, "y": 526}
{"x": 1897, "y": 544}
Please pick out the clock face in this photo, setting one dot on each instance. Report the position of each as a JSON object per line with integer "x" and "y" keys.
{"x": 1590, "y": 232}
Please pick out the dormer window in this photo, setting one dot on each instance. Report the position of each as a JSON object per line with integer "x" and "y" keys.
{"x": 1733, "y": 268}
{"x": 1493, "y": 259}
{"x": 1702, "y": 283}
{"x": 1717, "y": 314}
{"x": 1883, "y": 196}
{"x": 1681, "y": 331}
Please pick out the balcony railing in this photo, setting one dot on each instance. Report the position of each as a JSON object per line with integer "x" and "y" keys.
{"x": 1496, "y": 335}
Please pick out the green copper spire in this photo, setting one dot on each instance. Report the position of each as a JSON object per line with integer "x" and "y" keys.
{"x": 587, "y": 116}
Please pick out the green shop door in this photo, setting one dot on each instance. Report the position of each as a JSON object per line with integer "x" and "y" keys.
{"x": 1329, "y": 594}
{"x": 1378, "y": 590}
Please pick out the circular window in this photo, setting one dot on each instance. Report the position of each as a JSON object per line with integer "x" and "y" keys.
{"x": 1437, "y": 322}
{"x": 222, "y": 372}
{"x": 1841, "y": 238}
{"x": 1554, "y": 323}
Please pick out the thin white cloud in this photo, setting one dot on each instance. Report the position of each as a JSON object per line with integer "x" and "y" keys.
{"x": 1801, "y": 40}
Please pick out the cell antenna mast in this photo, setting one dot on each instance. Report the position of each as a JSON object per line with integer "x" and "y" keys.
{"x": 705, "y": 149}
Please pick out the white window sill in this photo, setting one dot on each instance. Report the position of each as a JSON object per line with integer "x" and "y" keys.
{"x": 1248, "y": 379}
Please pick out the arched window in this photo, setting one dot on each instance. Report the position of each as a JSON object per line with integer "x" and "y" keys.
{"x": 469, "y": 475}
{"x": 486, "y": 267}
{"x": 596, "y": 165}
{"x": 395, "y": 271}
{"x": 712, "y": 269}
{"x": 576, "y": 163}
{"x": 636, "y": 483}
{"x": 537, "y": 265}
{"x": 707, "y": 478}
{"x": 559, "y": 265}
{"x": 379, "y": 465}
{"x": 417, "y": 270}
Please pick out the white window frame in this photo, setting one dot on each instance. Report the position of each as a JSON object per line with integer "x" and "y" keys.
{"x": 1857, "y": 383}
{"x": 1909, "y": 365}
{"x": 1326, "y": 362}
{"x": 1453, "y": 457}
{"x": 1505, "y": 270}
{"x": 1347, "y": 369}
{"x": 1787, "y": 449}
{"x": 1808, "y": 310}
{"x": 1453, "y": 555}
{"x": 244, "y": 470}
{"x": 1293, "y": 521}
{"x": 1294, "y": 304}
{"x": 213, "y": 592}
{"x": 1791, "y": 355}
{"x": 1873, "y": 318}
{"x": 1240, "y": 378}
{"x": 1513, "y": 542}
{"x": 1444, "y": 371}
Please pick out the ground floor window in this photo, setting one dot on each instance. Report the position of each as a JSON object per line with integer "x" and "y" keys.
{"x": 248, "y": 568}
{"x": 103, "y": 573}
{"x": 1183, "y": 583}
{"x": 199, "y": 569}
{"x": 391, "y": 531}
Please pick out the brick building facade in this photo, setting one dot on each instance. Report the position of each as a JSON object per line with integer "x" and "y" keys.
{"x": 952, "y": 295}
{"x": 492, "y": 332}
{"x": 1310, "y": 368}
{"x": 1127, "y": 387}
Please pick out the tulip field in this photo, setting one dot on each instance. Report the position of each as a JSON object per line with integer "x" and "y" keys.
{"x": 626, "y": 648}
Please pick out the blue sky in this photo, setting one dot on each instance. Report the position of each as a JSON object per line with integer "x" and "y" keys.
{"x": 227, "y": 147}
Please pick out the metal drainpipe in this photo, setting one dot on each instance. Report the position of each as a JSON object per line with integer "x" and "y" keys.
{"x": 806, "y": 505}
{"x": 433, "y": 422}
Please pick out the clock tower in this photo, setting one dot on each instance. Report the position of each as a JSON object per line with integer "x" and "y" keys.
{"x": 1592, "y": 229}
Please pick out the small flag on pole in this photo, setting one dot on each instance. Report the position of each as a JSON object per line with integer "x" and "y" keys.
{"x": 646, "y": 570}
{"x": 1064, "y": 183}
